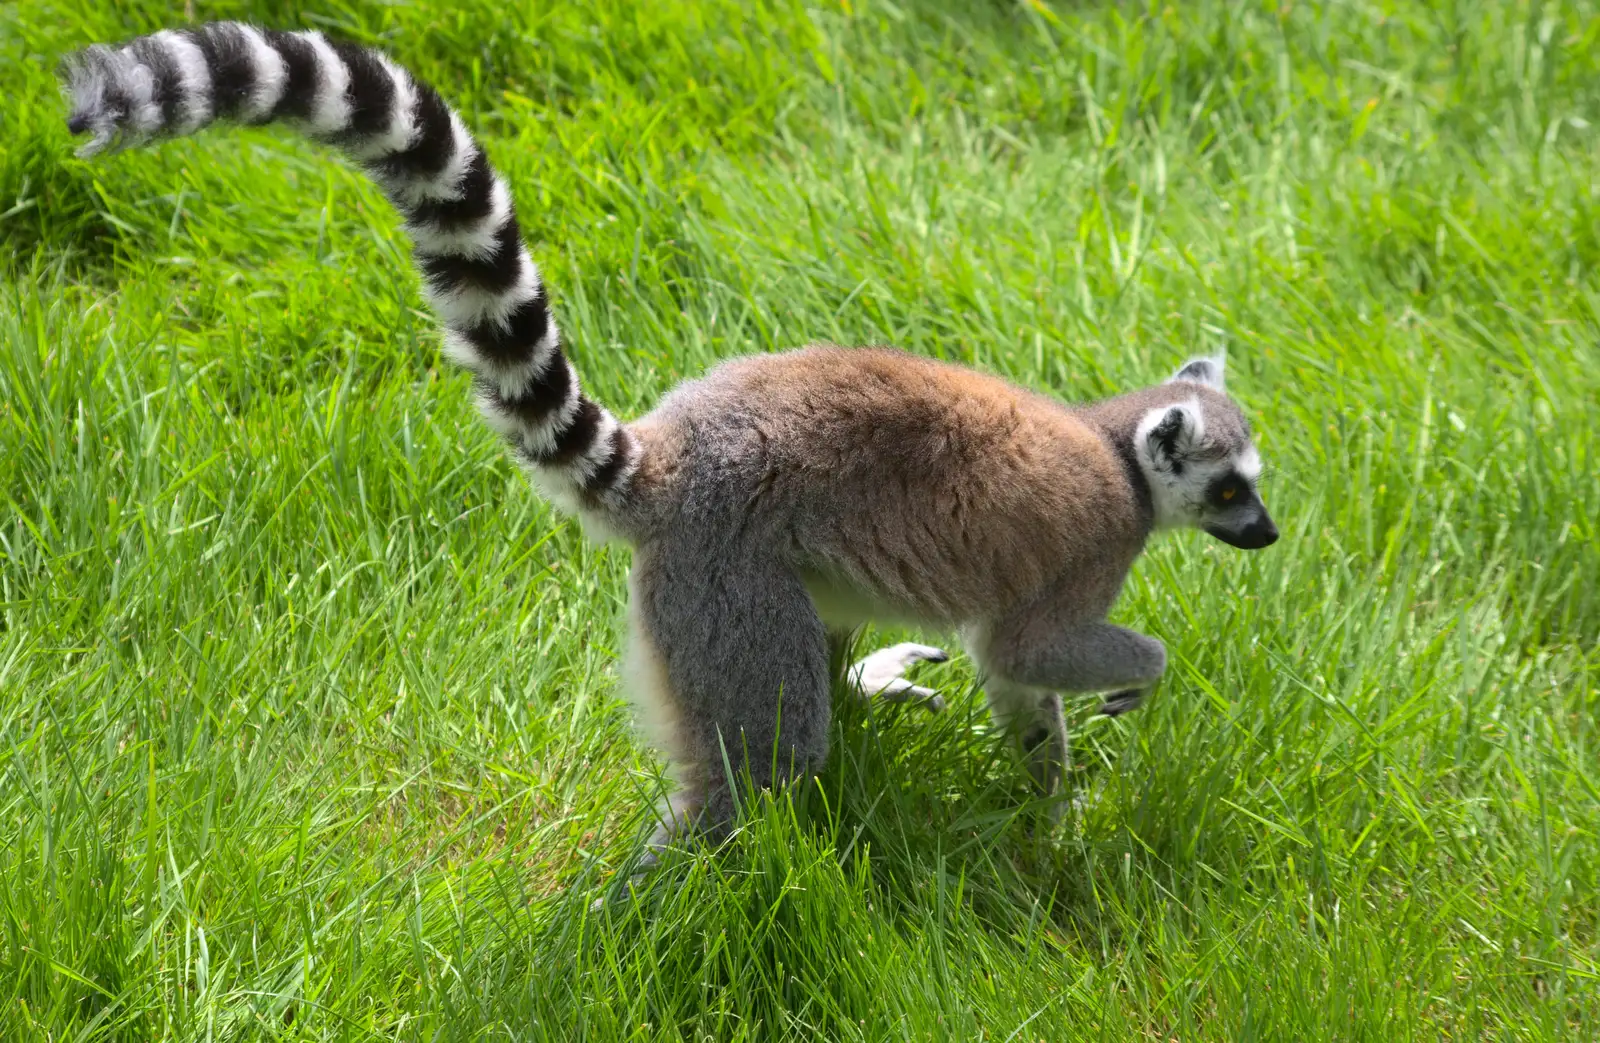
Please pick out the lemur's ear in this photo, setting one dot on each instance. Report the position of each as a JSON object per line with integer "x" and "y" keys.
{"x": 1205, "y": 370}
{"x": 1168, "y": 436}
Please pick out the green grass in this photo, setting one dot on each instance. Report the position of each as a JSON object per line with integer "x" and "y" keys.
{"x": 309, "y": 718}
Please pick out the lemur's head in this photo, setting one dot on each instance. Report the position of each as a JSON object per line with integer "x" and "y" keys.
{"x": 1195, "y": 449}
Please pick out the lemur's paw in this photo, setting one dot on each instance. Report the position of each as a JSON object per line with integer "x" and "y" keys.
{"x": 1119, "y": 703}
{"x": 882, "y": 674}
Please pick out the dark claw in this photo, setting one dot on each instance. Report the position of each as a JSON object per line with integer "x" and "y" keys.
{"x": 1120, "y": 703}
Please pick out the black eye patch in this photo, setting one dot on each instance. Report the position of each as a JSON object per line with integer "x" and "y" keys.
{"x": 1227, "y": 491}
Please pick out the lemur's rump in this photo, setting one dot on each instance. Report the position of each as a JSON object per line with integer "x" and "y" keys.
{"x": 778, "y": 497}
{"x": 467, "y": 245}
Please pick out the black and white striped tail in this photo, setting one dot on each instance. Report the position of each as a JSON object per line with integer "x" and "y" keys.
{"x": 475, "y": 268}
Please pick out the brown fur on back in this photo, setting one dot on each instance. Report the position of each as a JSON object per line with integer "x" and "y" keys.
{"x": 900, "y": 485}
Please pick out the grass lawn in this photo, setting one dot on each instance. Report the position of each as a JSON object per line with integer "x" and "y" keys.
{"x": 310, "y": 726}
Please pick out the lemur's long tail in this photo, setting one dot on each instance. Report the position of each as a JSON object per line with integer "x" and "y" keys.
{"x": 475, "y": 269}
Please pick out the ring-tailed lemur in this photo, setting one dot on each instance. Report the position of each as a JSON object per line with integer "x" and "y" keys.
{"x": 775, "y": 492}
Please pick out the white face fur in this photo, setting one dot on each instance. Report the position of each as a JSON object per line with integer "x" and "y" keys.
{"x": 1203, "y": 474}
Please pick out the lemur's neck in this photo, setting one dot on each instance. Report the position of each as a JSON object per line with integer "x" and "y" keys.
{"x": 1115, "y": 420}
{"x": 1121, "y": 443}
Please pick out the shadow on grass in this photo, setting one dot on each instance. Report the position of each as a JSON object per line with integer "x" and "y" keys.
{"x": 912, "y": 802}
{"x": 920, "y": 847}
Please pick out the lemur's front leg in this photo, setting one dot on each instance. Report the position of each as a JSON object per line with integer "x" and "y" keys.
{"x": 1082, "y": 657}
{"x": 1027, "y": 665}
{"x": 1029, "y": 662}
{"x": 882, "y": 674}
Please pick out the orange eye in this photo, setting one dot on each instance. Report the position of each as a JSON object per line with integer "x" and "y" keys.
{"x": 1227, "y": 494}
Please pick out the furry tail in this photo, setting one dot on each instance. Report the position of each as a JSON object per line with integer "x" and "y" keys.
{"x": 475, "y": 269}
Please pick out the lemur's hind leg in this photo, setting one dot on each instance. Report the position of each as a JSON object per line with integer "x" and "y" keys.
{"x": 736, "y": 674}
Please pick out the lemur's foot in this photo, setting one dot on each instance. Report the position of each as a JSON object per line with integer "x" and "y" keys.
{"x": 1119, "y": 703}
{"x": 882, "y": 674}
